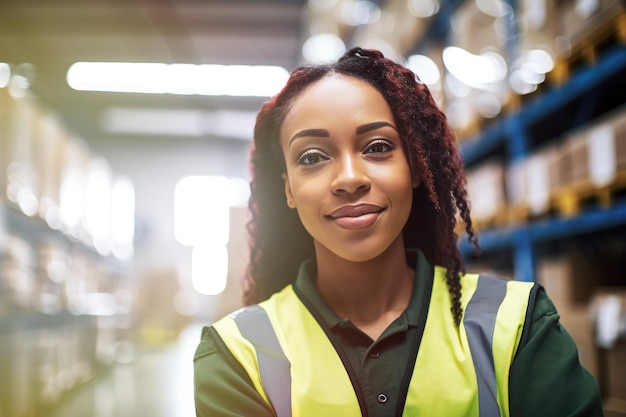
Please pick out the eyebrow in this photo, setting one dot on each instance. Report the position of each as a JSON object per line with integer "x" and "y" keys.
{"x": 323, "y": 133}
{"x": 314, "y": 133}
{"x": 373, "y": 126}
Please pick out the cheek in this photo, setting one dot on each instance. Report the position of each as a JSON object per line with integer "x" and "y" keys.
{"x": 399, "y": 190}
{"x": 395, "y": 180}
{"x": 307, "y": 193}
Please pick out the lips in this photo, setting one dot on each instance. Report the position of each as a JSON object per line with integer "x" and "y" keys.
{"x": 356, "y": 216}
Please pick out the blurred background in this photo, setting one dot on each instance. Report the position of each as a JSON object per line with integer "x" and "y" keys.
{"x": 125, "y": 129}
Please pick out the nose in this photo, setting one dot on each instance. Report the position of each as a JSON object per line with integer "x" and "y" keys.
{"x": 350, "y": 176}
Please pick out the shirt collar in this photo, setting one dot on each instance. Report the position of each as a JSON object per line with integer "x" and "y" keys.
{"x": 306, "y": 289}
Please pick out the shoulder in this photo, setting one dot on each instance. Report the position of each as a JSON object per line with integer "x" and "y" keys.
{"x": 486, "y": 285}
{"x": 541, "y": 314}
{"x": 221, "y": 384}
{"x": 547, "y": 357}
{"x": 208, "y": 345}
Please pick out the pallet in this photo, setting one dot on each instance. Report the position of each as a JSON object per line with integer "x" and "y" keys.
{"x": 498, "y": 220}
{"x": 605, "y": 29}
{"x": 568, "y": 201}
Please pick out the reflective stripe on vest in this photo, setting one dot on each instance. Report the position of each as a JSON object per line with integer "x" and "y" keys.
{"x": 274, "y": 366}
{"x": 480, "y": 322}
{"x": 444, "y": 381}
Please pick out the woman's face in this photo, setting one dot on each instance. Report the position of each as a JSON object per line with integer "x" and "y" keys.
{"x": 347, "y": 173}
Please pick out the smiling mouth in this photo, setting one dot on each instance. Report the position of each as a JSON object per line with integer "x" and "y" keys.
{"x": 356, "y": 217}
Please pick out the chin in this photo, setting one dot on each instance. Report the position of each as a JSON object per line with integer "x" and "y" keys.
{"x": 358, "y": 252}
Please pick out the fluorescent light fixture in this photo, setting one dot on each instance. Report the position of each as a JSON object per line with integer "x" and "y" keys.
{"x": 5, "y": 74}
{"x": 360, "y": 12}
{"x": 175, "y": 122}
{"x": 122, "y": 217}
{"x": 476, "y": 71}
{"x": 324, "y": 47}
{"x": 184, "y": 79}
{"x": 423, "y": 8}
{"x": 530, "y": 70}
{"x": 494, "y": 8}
{"x": 425, "y": 68}
{"x": 209, "y": 269}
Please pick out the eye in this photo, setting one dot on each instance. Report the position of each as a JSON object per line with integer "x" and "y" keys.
{"x": 311, "y": 157}
{"x": 379, "y": 146}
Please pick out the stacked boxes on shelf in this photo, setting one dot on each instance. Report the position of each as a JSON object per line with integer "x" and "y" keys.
{"x": 608, "y": 308}
{"x": 64, "y": 304}
{"x": 590, "y": 297}
{"x": 585, "y": 165}
{"x": 547, "y": 174}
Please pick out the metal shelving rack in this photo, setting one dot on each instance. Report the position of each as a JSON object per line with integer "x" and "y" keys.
{"x": 590, "y": 91}
{"x": 609, "y": 74}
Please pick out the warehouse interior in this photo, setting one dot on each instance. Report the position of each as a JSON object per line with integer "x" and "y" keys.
{"x": 108, "y": 259}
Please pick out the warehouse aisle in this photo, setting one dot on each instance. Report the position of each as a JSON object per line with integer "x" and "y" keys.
{"x": 157, "y": 383}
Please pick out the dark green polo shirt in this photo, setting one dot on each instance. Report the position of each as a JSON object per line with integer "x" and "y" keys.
{"x": 546, "y": 378}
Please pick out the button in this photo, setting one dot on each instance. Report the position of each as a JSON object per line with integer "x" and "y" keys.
{"x": 382, "y": 398}
{"x": 374, "y": 354}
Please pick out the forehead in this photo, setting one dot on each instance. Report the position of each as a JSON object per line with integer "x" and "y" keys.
{"x": 337, "y": 98}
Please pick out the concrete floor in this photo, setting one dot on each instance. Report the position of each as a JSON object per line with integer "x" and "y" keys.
{"x": 157, "y": 383}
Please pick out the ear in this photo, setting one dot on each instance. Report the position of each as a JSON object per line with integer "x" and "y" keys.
{"x": 290, "y": 200}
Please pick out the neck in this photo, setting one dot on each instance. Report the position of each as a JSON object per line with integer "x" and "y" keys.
{"x": 371, "y": 294}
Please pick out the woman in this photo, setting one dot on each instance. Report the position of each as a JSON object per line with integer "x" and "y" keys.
{"x": 356, "y": 187}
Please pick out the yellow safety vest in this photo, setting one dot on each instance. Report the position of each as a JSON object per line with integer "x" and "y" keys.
{"x": 459, "y": 371}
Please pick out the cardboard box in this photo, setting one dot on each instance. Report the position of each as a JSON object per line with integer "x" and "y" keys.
{"x": 539, "y": 21}
{"x": 474, "y": 30}
{"x": 540, "y": 175}
{"x": 576, "y": 17}
{"x": 608, "y": 309}
{"x": 619, "y": 129}
{"x": 615, "y": 372}
{"x": 569, "y": 280}
{"x": 578, "y": 149}
{"x": 614, "y": 407}
{"x": 485, "y": 186}
{"x": 579, "y": 324}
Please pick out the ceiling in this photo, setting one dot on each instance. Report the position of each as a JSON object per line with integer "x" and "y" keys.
{"x": 51, "y": 35}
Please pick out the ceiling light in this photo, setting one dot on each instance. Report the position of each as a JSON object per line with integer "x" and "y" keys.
{"x": 423, "y": 8}
{"x": 540, "y": 59}
{"x": 5, "y": 74}
{"x": 324, "y": 47}
{"x": 176, "y": 122}
{"x": 476, "y": 71}
{"x": 185, "y": 79}
{"x": 495, "y": 8}
{"x": 360, "y": 12}
{"x": 529, "y": 70}
{"x": 425, "y": 68}
{"x": 209, "y": 269}
{"x": 201, "y": 211}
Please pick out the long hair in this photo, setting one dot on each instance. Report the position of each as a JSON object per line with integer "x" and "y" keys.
{"x": 278, "y": 241}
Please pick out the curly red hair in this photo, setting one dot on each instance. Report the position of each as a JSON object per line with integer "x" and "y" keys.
{"x": 278, "y": 241}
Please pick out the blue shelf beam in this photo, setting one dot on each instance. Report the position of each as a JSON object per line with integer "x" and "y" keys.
{"x": 584, "y": 81}
{"x": 511, "y": 129}
{"x": 474, "y": 148}
{"x": 521, "y": 239}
